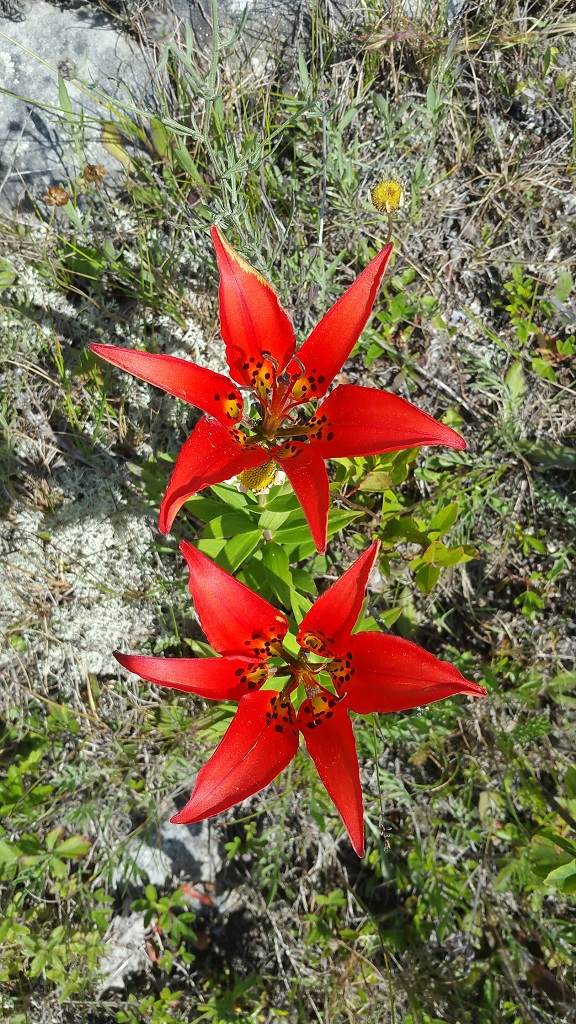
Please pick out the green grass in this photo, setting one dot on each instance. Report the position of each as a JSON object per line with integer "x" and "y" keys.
{"x": 462, "y": 911}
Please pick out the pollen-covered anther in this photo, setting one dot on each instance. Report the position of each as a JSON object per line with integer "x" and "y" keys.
{"x": 259, "y": 477}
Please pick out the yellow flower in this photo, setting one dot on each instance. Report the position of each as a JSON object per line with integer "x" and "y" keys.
{"x": 387, "y": 196}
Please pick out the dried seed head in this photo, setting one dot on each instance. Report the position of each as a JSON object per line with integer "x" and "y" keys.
{"x": 56, "y": 196}
{"x": 94, "y": 173}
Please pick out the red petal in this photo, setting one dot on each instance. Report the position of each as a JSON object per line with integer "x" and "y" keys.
{"x": 215, "y": 678}
{"x": 356, "y": 421}
{"x": 212, "y": 392}
{"x": 334, "y": 615}
{"x": 252, "y": 320}
{"x": 331, "y": 745}
{"x": 254, "y": 750}
{"x": 332, "y": 340}
{"x": 306, "y": 471}
{"x": 212, "y": 453}
{"x": 234, "y": 618}
{"x": 391, "y": 674}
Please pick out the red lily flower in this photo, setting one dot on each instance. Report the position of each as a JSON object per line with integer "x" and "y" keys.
{"x": 368, "y": 671}
{"x": 261, "y": 355}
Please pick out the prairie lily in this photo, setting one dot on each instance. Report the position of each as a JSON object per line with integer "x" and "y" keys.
{"x": 282, "y": 428}
{"x": 336, "y": 671}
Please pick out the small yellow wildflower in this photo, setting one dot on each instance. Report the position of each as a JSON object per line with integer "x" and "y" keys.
{"x": 387, "y": 196}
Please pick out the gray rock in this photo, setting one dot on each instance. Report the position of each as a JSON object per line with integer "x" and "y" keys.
{"x": 39, "y": 38}
{"x": 164, "y": 856}
{"x": 126, "y": 953}
{"x": 35, "y": 149}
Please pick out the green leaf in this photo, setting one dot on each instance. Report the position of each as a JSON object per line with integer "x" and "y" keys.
{"x": 230, "y": 524}
{"x": 443, "y": 520}
{"x": 564, "y": 285}
{"x": 427, "y": 577}
{"x": 9, "y": 853}
{"x": 57, "y": 867}
{"x": 65, "y": 101}
{"x": 112, "y": 140}
{"x": 53, "y": 837}
{"x": 275, "y": 560}
{"x": 7, "y": 274}
{"x": 231, "y": 495}
{"x": 570, "y": 781}
{"x": 237, "y": 550}
{"x": 161, "y": 141}
{"x": 564, "y": 876}
{"x": 300, "y": 605}
{"x": 186, "y": 162}
{"x": 73, "y": 847}
{"x": 548, "y": 456}
{"x": 516, "y": 383}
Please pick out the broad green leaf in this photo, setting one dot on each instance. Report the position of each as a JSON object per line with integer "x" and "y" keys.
{"x": 303, "y": 581}
{"x": 161, "y": 141}
{"x": 9, "y": 853}
{"x": 443, "y": 520}
{"x": 516, "y": 383}
{"x": 237, "y": 550}
{"x": 427, "y": 577}
{"x": 299, "y": 604}
{"x": 564, "y": 285}
{"x": 74, "y": 846}
{"x": 53, "y": 837}
{"x": 376, "y": 481}
{"x": 275, "y": 560}
{"x": 57, "y": 867}
{"x": 205, "y": 508}
{"x": 230, "y": 524}
{"x": 231, "y": 495}
{"x": 187, "y": 163}
{"x": 272, "y": 521}
{"x": 563, "y": 876}
{"x": 211, "y": 547}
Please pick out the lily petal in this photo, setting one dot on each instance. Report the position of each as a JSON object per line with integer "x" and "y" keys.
{"x": 331, "y": 745}
{"x": 233, "y": 617}
{"x": 386, "y": 673}
{"x": 306, "y": 471}
{"x": 260, "y": 741}
{"x": 214, "y": 678}
{"x": 355, "y": 421}
{"x": 252, "y": 321}
{"x": 212, "y": 453}
{"x": 326, "y": 350}
{"x": 212, "y": 392}
{"x": 327, "y": 626}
